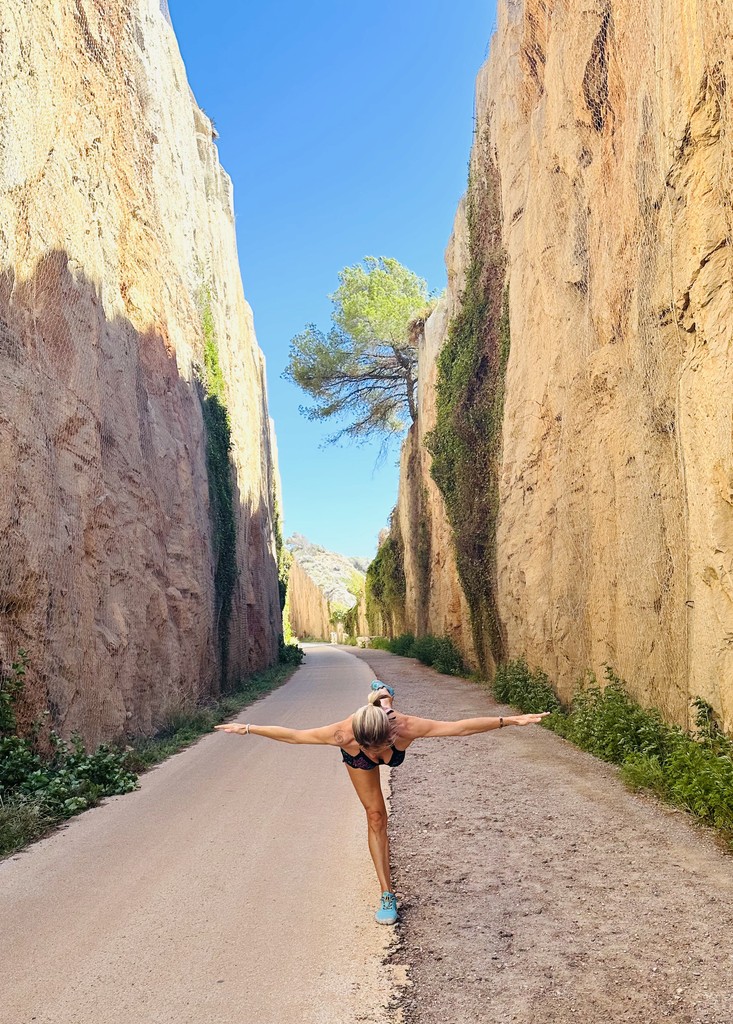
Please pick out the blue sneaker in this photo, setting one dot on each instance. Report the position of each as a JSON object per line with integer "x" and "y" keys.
{"x": 376, "y": 685}
{"x": 387, "y": 913}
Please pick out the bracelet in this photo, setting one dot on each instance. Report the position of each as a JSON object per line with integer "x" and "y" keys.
{"x": 501, "y": 723}
{"x": 246, "y": 729}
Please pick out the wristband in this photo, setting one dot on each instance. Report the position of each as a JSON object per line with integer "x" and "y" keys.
{"x": 246, "y": 729}
{"x": 501, "y": 723}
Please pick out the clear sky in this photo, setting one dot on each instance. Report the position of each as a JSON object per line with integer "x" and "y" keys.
{"x": 346, "y": 128}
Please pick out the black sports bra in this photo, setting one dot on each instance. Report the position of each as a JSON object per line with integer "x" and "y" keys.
{"x": 361, "y": 760}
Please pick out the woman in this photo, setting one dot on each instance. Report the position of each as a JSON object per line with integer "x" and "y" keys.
{"x": 378, "y": 735}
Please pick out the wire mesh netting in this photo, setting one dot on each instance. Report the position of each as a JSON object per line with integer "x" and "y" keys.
{"x": 611, "y": 128}
{"x": 119, "y": 279}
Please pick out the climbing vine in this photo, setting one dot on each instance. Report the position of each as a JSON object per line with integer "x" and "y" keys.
{"x": 424, "y": 557}
{"x": 466, "y": 441}
{"x": 385, "y": 584}
{"x": 212, "y": 392}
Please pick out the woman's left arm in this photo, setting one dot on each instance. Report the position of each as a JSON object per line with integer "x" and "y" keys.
{"x": 423, "y": 728}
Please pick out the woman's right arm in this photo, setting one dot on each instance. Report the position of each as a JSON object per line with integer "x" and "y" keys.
{"x": 324, "y": 735}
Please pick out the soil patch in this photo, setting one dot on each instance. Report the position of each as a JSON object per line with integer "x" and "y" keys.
{"x": 536, "y": 889}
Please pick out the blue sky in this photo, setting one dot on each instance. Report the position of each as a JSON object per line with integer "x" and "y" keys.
{"x": 346, "y": 128}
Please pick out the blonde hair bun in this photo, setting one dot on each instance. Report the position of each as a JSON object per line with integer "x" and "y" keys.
{"x": 371, "y": 727}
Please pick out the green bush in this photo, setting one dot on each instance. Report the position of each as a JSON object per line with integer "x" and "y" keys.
{"x": 402, "y": 645}
{"x": 607, "y": 722}
{"x": 530, "y": 691}
{"x": 290, "y": 654}
{"x": 37, "y": 790}
{"x": 438, "y": 651}
{"x": 380, "y": 643}
{"x": 692, "y": 772}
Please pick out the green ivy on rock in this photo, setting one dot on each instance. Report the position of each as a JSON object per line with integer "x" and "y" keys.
{"x": 466, "y": 441}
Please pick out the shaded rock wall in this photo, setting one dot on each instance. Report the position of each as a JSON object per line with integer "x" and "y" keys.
{"x": 609, "y": 125}
{"x": 116, "y": 230}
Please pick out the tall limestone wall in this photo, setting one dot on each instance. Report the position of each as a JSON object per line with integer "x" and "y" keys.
{"x": 117, "y": 258}
{"x": 606, "y": 127}
{"x": 308, "y": 608}
{"x": 434, "y": 599}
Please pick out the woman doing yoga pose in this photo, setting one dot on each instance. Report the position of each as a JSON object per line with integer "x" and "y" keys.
{"x": 378, "y": 735}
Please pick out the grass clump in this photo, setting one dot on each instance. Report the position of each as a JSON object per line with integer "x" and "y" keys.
{"x": 531, "y": 692}
{"x": 693, "y": 771}
{"x": 190, "y": 720}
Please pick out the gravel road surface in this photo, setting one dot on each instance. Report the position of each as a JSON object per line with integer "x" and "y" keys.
{"x": 536, "y": 889}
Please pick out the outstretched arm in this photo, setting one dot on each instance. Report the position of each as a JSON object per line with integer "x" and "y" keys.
{"x": 426, "y": 727}
{"x": 325, "y": 735}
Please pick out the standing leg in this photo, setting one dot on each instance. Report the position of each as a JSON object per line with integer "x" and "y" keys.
{"x": 369, "y": 791}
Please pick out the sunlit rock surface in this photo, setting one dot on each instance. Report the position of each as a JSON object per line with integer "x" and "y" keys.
{"x": 610, "y": 126}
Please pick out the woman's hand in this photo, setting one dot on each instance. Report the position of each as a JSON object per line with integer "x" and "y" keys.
{"x": 233, "y": 727}
{"x": 529, "y": 719}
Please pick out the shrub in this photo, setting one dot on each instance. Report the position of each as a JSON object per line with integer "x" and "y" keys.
{"x": 438, "y": 651}
{"x": 693, "y": 772}
{"x": 379, "y": 643}
{"x": 35, "y": 790}
{"x": 290, "y": 654}
{"x": 530, "y": 691}
{"x": 610, "y": 724}
{"x": 402, "y": 644}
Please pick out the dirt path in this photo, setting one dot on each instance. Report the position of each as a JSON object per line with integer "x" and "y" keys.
{"x": 234, "y": 886}
{"x": 537, "y": 890}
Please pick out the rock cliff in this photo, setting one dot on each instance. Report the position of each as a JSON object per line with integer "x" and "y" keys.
{"x": 308, "y": 606}
{"x": 135, "y": 567}
{"x": 603, "y": 131}
{"x": 434, "y": 598}
{"x": 321, "y": 582}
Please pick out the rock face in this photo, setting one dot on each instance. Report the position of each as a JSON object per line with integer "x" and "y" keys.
{"x": 117, "y": 243}
{"x": 609, "y": 126}
{"x": 333, "y": 573}
{"x": 308, "y": 606}
{"x": 310, "y": 603}
{"x": 434, "y": 599}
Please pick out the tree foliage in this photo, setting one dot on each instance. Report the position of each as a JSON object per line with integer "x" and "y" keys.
{"x": 364, "y": 369}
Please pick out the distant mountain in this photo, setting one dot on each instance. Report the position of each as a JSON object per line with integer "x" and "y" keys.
{"x": 332, "y": 572}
